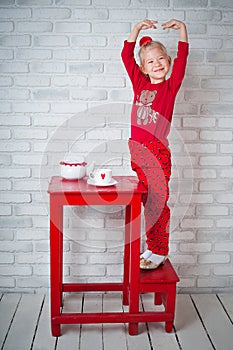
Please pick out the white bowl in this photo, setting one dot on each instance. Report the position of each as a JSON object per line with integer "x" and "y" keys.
{"x": 73, "y": 170}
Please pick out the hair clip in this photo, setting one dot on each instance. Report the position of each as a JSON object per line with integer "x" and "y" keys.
{"x": 145, "y": 40}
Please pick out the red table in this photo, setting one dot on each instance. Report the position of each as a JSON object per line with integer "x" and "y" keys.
{"x": 126, "y": 192}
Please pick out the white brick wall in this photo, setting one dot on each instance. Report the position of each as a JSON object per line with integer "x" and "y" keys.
{"x": 63, "y": 90}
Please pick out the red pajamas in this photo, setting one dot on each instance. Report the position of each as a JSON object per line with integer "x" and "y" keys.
{"x": 151, "y": 160}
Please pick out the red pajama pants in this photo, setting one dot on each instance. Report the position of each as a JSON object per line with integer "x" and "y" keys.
{"x": 151, "y": 160}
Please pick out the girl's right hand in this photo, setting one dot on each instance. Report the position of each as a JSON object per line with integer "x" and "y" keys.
{"x": 146, "y": 24}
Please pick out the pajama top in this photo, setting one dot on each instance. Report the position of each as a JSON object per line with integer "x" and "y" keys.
{"x": 153, "y": 103}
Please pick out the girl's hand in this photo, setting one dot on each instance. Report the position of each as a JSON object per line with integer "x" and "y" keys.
{"x": 173, "y": 24}
{"x": 146, "y": 24}
{"x": 177, "y": 25}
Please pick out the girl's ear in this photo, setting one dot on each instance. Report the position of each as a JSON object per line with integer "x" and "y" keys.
{"x": 143, "y": 70}
{"x": 169, "y": 59}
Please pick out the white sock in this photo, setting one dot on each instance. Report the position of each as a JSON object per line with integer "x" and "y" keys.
{"x": 147, "y": 253}
{"x": 156, "y": 259}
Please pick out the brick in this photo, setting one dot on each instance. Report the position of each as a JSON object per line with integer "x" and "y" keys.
{"x": 215, "y": 186}
{"x": 216, "y": 135}
{"x": 226, "y": 246}
{"x": 104, "y": 134}
{"x": 212, "y": 282}
{"x": 14, "y": 94}
{"x": 14, "y": 67}
{"x": 15, "y": 270}
{"x": 6, "y": 282}
{"x": 201, "y": 148}
{"x": 15, "y": 40}
{"x": 224, "y": 4}
{"x": 15, "y": 173}
{"x": 51, "y": 94}
{"x": 209, "y": 15}
{"x": 217, "y": 83}
{"x": 89, "y": 95}
{"x": 223, "y": 270}
{"x": 15, "y": 146}
{"x": 51, "y": 40}
{"x": 71, "y": 54}
{"x": 90, "y": 13}
{"x": 212, "y": 210}
{"x": 87, "y": 67}
{"x": 47, "y": 67}
{"x": 30, "y": 107}
{"x": 88, "y": 41}
{"x": 214, "y": 259}
{"x": 31, "y": 27}
{"x": 190, "y": 3}
{"x": 217, "y": 160}
{"x": 71, "y": 27}
{"x": 32, "y": 80}
{"x": 33, "y": 54}
{"x": 112, "y": 3}
{"x": 8, "y": 197}
{"x": 5, "y": 81}
{"x": 51, "y": 13}
{"x": 196, "y": 247}
{"x": 196, "y": 223}
{"x": 6, "y": 26}
{"x": 198, "y": 96}
{"x": 15, "y": 13}
{"x": 6, "y": 258}
{"x": 88, "y": 271}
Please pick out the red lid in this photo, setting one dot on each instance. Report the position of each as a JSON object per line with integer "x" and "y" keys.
{"x": 73, "y": 163}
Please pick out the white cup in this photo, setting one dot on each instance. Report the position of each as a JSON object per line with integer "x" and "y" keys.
{"x": 101, "y": 176}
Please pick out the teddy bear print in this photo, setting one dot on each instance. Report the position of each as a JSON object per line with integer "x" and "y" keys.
{"x": 145, "y": 114}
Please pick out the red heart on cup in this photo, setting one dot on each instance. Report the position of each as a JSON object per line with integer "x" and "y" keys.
{"x": 103, "y": 176}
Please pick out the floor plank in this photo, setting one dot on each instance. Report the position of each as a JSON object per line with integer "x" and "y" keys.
{"x": 189, "y": 328}
{"x": 8, "y": 307}
{"x": 43, "y": 338}
{"x": 92, "y": 334}
{"x": 218, "y": 325}
{"x": 114, "y": 335}
{"x": 160, "y": 339}
{"x": 140, "y": 341}
{"x": 227, "y": 301}
{"x": 24, "y": 324}
{"x": 70, "y": 333}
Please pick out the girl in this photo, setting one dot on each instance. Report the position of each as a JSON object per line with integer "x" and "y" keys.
{"x": 151, "y": 116}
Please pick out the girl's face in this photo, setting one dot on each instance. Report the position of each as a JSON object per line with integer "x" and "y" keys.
{"x": 156, "y": 64}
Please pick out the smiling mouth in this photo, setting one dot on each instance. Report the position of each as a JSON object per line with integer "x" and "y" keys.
{"x": 159, "y": 70}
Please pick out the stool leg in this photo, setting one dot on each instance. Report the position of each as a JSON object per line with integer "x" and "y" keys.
{"x": 126, "y": 257}
{"x": 170, "y": 306}
{"x": 157, "y": 299}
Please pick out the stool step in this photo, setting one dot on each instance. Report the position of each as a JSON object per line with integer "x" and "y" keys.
{"x": 164, "y": 274}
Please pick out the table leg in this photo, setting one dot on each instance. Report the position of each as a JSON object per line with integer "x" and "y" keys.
{"x": 126, "y": 256}
{"x": 56, "y": 238}
{"x": 134, "y": 261}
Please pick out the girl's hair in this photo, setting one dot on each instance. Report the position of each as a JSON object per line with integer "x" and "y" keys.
{"x": 147, "y": 42}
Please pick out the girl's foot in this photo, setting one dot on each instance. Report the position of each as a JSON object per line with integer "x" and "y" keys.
{"x": 153, "y": 262}
{"x": 144, "y": 256}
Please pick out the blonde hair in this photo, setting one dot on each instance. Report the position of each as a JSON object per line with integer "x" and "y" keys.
{"x": 150, "y": 45}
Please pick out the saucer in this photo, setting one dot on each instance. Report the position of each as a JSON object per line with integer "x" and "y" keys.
{"x": 93, "y": 183}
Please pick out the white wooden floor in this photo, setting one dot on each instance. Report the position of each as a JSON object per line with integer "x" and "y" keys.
{"x": 202, "y": 322}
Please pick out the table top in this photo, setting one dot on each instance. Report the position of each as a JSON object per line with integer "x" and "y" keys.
{"x": 125, "y": 184}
